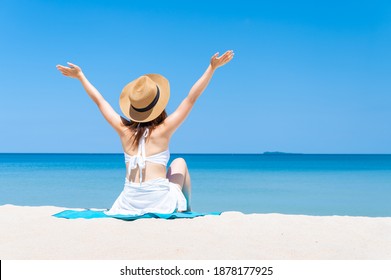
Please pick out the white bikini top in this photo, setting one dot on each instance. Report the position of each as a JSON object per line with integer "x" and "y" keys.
{"x": 140, "y": 159}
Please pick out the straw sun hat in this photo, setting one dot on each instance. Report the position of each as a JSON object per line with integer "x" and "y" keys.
{"x": 145, "y": 98}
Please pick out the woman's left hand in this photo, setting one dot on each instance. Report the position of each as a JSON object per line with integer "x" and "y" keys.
{"x": 73, "y": 71}
{"x": 216, "y": 61}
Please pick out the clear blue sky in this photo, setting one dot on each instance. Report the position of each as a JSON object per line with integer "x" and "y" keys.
{"x": 308, "y": 76}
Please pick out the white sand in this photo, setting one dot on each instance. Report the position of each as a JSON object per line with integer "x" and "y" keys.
{"x": 32, "y": 233}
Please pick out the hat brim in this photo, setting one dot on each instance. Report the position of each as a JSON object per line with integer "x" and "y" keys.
{"x": 129, "y": 112}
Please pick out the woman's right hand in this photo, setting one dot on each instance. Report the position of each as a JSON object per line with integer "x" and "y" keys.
{"x": 73, "y": 71}
{"x": 216, "y": 61}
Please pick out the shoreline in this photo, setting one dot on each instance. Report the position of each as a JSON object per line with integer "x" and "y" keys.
{"x": 31, "y": 233}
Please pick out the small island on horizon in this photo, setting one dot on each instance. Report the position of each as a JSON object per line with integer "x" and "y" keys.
{"x": 280, "y": 153}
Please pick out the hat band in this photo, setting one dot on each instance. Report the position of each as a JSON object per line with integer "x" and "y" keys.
{"x": 151, "y": 105}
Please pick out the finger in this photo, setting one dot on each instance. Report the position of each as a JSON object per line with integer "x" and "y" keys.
{"x": 72, "y": 65}
{"x": 65, "y": 72}
{"x": 62, "y": 68}
{"x": 225, "y": 58}
{"x": 226, "y": 53}
{"x": 230, "y": 53}
{"x": 229, "y": 59}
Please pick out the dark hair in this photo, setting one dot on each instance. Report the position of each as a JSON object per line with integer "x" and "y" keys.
{"x": 139, "y": 128}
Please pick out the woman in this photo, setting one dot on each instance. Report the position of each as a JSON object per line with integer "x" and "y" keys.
{"x": 149, "y": 188}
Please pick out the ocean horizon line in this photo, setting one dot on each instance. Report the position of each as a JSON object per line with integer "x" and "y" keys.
{"x": 188, "y": 153}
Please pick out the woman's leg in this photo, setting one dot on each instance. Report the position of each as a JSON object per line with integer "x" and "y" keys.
{"x": 179, "y": 174}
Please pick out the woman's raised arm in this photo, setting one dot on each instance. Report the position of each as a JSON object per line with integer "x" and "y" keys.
{"x": 175, "y": 119}
{"x": 107, "y": 111}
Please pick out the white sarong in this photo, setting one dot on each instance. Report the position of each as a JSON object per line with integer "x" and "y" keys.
{"x": 153, "y": 196}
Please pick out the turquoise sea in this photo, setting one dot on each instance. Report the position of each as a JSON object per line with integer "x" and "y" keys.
{"x": 355, "y": 185}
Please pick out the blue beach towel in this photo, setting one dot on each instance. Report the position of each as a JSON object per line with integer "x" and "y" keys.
{"x": 92, "y": 214}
